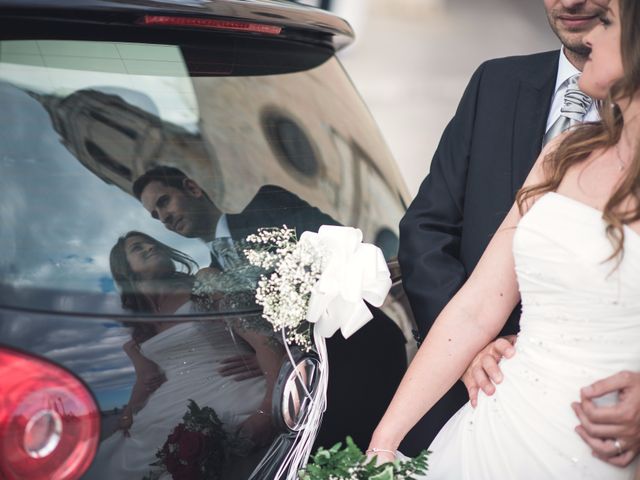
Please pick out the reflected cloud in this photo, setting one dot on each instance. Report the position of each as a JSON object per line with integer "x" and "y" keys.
{"x": 82, "y": 345}
{"x": 61, "y": 231}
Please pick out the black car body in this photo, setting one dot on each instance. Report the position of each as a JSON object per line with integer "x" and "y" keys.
{"x": 249, "y": 102}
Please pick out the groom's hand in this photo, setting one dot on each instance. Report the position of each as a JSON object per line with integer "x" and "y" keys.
{"x": 484, "y": 371}
{"x": 240, "y": 367}
{"x": 601, "y": 426}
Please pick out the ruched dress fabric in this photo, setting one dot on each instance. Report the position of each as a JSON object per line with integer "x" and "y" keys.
{"x": 189, "y": 354}
{"x": 580, "y": 323}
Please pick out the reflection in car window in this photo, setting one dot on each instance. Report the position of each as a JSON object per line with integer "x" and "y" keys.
{"x": 117, "y": 159}
{"x": 131, "y": 178}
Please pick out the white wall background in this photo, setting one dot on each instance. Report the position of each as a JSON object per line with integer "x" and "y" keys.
{"x": 413, "y": 58}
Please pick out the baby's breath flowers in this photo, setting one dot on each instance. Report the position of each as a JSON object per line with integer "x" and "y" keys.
{"x": 293, "y": 268}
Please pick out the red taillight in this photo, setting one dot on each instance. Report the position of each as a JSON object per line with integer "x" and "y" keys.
{"x": 211, "y": 23}
{"x": 49, "y": 423}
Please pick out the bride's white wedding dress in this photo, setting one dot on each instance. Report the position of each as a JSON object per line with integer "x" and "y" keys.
{"x": 580, "y": 323}
{"x": 189, "y": 354}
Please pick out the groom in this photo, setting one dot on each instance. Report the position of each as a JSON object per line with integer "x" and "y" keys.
{"x": 357, "y": 367}
{"x": 183, "y": 207}
{"x": 509, "y": 109}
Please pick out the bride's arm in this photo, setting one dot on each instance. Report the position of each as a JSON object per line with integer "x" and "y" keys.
{"x": 470, "y": 321}
{"x": 149, "y": 377}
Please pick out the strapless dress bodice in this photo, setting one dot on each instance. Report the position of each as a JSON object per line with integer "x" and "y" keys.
{"x": 580, "y": 323}
{"x": 578, "y": 306}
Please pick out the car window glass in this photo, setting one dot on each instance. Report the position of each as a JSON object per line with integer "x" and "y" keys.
{"x": 221, "y": 155}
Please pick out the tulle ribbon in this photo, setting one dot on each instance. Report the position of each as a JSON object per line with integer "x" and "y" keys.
{"x": 354, "y": 272}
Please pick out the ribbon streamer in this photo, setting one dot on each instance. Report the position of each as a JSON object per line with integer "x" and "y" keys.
{"x": 354, "y": 272}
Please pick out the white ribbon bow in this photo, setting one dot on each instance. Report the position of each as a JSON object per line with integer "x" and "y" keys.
{"x": 354, "y": 272}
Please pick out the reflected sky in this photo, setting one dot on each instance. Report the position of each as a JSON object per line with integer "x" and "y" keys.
{"x": 61, "y": 67}
{"x": 90, "y": 348}
{"x": 59, "y": 219}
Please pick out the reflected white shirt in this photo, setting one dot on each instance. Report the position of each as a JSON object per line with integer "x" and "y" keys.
{"x": 222, "y": 232}
{"x": 222, "y": 227}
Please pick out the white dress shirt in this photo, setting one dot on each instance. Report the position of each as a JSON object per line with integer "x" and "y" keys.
{"x": 566, "y": 70}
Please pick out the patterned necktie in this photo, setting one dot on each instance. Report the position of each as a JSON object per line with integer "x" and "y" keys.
{"x": 575, "y": 107}
{"x": 224, "y": 249}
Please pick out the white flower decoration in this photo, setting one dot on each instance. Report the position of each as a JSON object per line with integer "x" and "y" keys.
{"x": 353, "y": 272}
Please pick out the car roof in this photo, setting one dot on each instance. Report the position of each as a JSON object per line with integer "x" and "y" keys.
{"x": 297, "y": 21}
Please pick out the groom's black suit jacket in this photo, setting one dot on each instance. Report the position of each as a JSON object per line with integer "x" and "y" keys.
{"x": 483, "y": 158}
{"x": 274, "y": 206}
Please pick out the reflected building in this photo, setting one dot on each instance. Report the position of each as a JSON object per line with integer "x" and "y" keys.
{"x": 119, "y": 141}
{"x": 288, "y": 135}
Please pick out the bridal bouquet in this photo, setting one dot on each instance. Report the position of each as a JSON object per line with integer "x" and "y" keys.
{"x": 319, "y": 283}
{"x": 351, "y": 464}
{"x": 284, "y": 294}
{"x": 312, "y": 287}
{"x": 196, "y": 448}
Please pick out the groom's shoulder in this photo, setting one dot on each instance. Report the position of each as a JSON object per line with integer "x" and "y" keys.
{"x": 274, "y": 196}
{"x": 519, "y": 66}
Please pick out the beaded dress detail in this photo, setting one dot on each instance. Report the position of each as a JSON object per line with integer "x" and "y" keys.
{"x": 189, "y": 354}
{"x": 580, "y": 323}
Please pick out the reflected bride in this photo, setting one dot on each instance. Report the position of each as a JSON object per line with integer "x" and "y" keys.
{"x": 179, "y": 362}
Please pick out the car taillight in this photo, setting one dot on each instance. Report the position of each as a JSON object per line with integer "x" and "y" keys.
{"x": 193, "y": 22}
{"x": 49, "y": 422}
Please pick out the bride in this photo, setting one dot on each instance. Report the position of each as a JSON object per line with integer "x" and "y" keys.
{"x": 179, "y": 361}
{"x": 569, "y": 249}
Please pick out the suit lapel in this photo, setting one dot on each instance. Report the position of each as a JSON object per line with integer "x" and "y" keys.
{"x": 533, "y": 103}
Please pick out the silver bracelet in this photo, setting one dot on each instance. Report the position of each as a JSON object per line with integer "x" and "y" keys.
{"x": 376, "y": 450}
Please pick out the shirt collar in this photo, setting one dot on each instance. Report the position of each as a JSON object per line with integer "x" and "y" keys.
{"x": 566, "y": 70}
{"x": 222, "y": 227}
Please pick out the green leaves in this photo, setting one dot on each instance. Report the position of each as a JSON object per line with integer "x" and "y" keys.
{"x": 350, "y": 463}
{"x": 386, "y": 474}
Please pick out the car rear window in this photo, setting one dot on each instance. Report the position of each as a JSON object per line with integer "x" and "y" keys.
{"x": 133, "y": 172}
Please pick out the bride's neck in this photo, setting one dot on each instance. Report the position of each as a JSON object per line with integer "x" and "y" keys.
{"x": 166, "y": 295}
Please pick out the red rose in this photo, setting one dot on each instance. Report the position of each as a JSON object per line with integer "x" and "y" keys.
{"x": 187, "y": 472}
{"x": 191, "y": 446}
{"x": 173, "y": 464}
{"x": 174, "y": 437}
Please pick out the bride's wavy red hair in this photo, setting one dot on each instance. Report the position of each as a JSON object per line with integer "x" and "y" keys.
{"x": 587, "y": 138}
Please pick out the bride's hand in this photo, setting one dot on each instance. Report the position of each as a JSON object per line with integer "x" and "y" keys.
{"x": 124, "y": 423}
{"x": 241, "y": 367}
{"x": 484, "y": 371}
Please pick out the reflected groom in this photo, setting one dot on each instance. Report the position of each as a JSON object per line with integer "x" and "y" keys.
{"x": 358, "y": 373}
{"x": 183, "y": 207}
